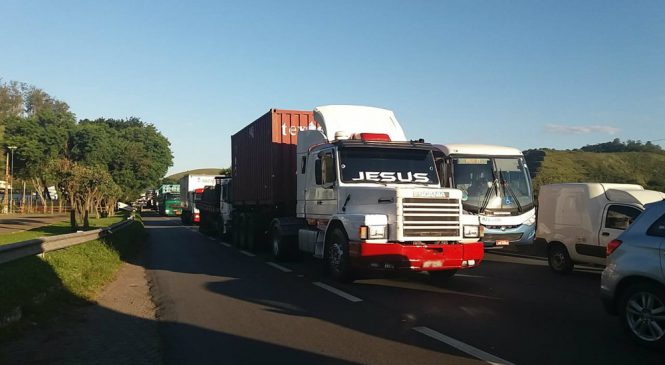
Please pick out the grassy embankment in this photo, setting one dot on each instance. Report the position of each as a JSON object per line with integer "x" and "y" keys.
{"x": 643, "y": 168}
{"x": 37, "y": 289}
{"x": 54, "y": 229}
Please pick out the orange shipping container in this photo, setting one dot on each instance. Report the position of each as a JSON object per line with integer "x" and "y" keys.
{"x": 264, "y": 159}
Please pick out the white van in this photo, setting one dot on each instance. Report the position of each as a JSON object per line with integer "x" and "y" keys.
{"x": 577, "y": 220}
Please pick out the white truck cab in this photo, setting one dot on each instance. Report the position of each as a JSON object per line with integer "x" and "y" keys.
{"x": 577, "y": 220}
{"x": 366, "y": 196}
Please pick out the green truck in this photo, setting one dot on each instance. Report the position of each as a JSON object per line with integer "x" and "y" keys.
{"x": 168, "y": 198}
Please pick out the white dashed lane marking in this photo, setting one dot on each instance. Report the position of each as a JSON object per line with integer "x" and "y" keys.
{"x": 279, "y": 267}
{"x": 336, "y": 291}
{"x": 478, "y": 353}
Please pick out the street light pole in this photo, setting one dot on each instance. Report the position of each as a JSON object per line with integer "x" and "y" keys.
{"x": 11, "y": 185}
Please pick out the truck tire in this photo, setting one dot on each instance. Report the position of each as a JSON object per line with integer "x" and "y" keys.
{"x": 559, "y": 259}
{"x": 235, "y": 231}
{"x": 282, "y": 246}
{"x": 250, "y": 233}
{"x": 336, "y": 257}
{"x": 240, "y": 241}
{"x": 443, "y": 275}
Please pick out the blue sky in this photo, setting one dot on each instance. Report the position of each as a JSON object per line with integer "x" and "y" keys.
{"x": 527, "y": 74}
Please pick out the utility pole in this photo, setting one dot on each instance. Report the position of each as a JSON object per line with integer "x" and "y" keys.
{"x": 11, "y": 193}
{"x": 5, "y": 202}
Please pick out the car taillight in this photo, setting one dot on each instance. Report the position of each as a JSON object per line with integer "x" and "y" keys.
{"x": 613, "y": 245}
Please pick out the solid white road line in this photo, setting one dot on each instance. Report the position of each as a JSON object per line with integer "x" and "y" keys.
{"x": 480, "y": 354}
{"x": 212, "y": 238}
{"x": 279, "y": 267}
{"x": 225, "y": 244}
{"x": 247, "y": 253}
{"x": 336, "y": 291}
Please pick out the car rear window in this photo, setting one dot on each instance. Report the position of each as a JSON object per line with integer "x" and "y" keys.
{"x": 658, "y": 227}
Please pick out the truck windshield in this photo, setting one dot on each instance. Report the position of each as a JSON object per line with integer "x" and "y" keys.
{"x": 387, "y": 165}
{"x": 493, "y": 183}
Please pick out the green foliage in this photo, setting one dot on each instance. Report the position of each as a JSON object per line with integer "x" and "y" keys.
{"x": 135, "y": 153}
{"x": 95, "y": 163}
{"x": 643, "y": 168}
{"x": 629, "y": 146}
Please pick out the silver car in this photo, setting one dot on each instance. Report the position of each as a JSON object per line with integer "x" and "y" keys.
{"x": 633, "y": 282}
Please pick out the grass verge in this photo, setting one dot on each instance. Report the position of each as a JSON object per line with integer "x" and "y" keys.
{"x": 37, "y": 288}
{"x": 56, "y": 229}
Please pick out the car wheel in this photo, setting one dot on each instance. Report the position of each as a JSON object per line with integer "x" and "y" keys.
{"x": 559, "y": 259}
{"x": 337, "y": 257}
{"x": 443, "y": 275}
{"x": 642, "y": 309}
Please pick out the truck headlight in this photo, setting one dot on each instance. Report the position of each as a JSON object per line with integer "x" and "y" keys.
{"x": 373, "y": 232}
{"x": 531, "y": 221}
{"x": 471, "y": 231}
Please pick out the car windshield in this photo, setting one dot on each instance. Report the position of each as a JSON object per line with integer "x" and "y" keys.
{"x": 387, "y": 165}
{"x": 498, "y": 184}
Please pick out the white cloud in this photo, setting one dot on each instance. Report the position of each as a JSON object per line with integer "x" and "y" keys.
{"x": 581, "y": 129}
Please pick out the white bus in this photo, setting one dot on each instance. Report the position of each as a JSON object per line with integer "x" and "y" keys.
{"x": 496, "y": 186}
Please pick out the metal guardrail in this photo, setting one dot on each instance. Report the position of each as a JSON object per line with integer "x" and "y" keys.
{"x": 15, "y": 251}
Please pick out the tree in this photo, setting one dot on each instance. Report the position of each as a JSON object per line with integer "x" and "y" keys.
{"x": 135, "y": 153}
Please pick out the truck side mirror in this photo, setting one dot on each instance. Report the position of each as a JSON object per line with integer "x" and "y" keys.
{"x": 317, "y": 172}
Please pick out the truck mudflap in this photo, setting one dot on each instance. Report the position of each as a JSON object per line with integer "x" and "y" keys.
{"x": 395, "y": 256}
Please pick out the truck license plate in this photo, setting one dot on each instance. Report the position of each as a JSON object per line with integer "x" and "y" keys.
{"x": 502, "y": 242}
{"x": 433, "y": 263}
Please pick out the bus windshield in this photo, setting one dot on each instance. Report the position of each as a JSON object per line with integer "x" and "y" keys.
{"x": 493, "y": 184}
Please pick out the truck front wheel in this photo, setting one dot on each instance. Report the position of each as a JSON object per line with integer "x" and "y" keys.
{"x": 337, "y": 258}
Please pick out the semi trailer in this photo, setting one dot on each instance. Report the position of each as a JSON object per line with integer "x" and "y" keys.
{"x": 189, "y": 195}
{"x": 343, "y": 183}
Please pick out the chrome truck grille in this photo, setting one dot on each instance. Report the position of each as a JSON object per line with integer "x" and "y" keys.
{"x": 430, "y": 219}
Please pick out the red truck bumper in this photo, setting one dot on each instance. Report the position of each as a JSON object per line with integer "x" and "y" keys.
{"x": 394, "y": 256}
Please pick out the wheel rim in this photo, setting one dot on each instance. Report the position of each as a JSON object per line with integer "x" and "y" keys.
{"x": 558, "y": 260}
{"x": 645, "y": 314}
{"x": 335, "y": 254}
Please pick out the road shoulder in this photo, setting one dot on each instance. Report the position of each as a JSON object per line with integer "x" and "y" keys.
{"x": 119, "y": 329}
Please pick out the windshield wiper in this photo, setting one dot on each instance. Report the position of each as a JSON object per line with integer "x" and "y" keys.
{"x": 505, "y": 186}
{"x": 486, "y": 200}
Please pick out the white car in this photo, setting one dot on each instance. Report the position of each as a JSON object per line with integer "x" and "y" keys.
{"x": 633, "y": 282}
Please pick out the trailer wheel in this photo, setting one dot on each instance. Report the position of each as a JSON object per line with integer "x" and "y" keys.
{"x": 337, "y": 259}
{"x": 250, "y": 233}
{"x": 559, "y": 259}
{"x": 235, "y": 231}
{"x": 281, "y": 245}
{"x": 242, "y": 227}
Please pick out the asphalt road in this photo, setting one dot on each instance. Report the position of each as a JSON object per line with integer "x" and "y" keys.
{"x": 217, "y": 304}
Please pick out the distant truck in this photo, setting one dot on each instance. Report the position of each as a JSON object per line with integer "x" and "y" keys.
{"x": 168, "y": 200}
{"x": 188, "y": 195}
{"x": 216, "y": 207}
{"x": 344, "y": 184}
{"x": 496, "y": 186}
{"x": 576, "y": 221}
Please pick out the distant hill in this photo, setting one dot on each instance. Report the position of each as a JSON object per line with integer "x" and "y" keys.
{"x": 210, "y": 171}
{"x": 552, "y": 166}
